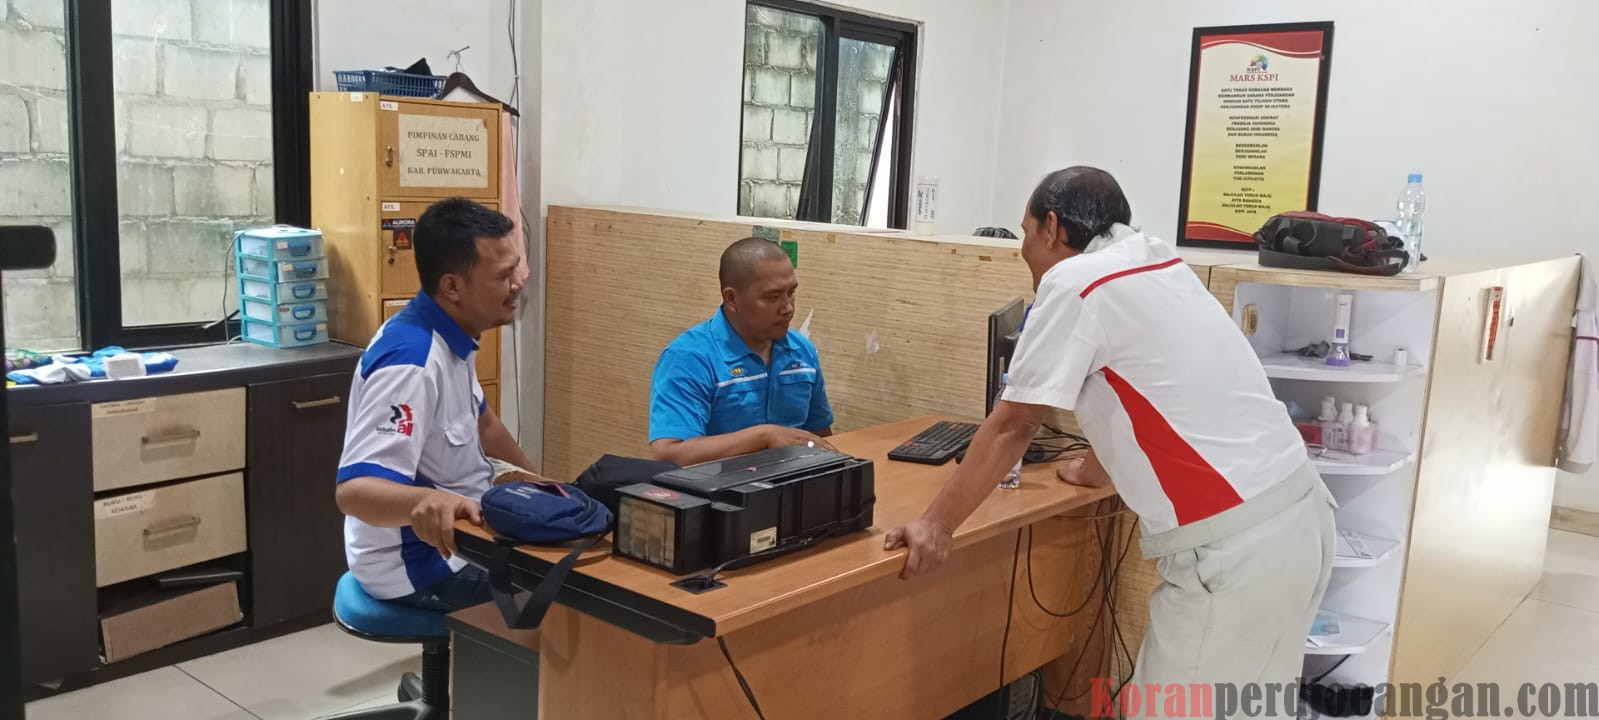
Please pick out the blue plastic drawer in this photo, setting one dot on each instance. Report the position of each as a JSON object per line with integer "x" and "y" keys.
{"x": 281, "y": 242}
{"x": 285, "y": 336}
{"x": 290, "y": 313}
{"x": 282, "y": 271}
{"x": 279, "y": 293}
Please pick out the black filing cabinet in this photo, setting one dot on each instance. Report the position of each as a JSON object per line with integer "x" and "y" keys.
{"x": 52, "y": 495}
{"x": 296, "y": 432}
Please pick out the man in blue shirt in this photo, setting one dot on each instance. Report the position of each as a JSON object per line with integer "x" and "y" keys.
{"x": 741, "y": 381}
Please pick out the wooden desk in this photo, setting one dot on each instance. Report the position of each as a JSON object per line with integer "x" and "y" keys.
{"x": 832, "y": 631}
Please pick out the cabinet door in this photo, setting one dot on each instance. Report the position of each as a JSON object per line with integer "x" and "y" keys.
{"x": 397, "y": 250}
{"x": 52, "y": 493}
{"x": 296, "y": 430}
{"x": 438, "y": 150}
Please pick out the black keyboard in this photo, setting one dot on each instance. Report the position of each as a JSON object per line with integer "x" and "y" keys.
{"x": 935, "y": 445}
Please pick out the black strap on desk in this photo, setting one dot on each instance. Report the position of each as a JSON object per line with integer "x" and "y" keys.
{"x": 530, "y": 612}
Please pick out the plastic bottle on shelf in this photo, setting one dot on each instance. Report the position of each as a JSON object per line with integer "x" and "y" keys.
{"x": 1332, "y": 434}
{"x": 1362, "y": 432}
{"x": 1412, "y": 205}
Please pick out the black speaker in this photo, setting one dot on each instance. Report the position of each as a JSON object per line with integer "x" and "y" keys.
{"x": 26, "y": 247}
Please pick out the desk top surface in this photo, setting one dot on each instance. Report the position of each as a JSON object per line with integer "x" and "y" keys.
{"x": 903, "y": 491}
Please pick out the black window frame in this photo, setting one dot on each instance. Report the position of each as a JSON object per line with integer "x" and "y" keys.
{"x": 95, "y": 218}
{"x": 816, "y": 190}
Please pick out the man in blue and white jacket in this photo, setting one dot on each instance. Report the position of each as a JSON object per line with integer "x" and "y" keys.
{"x": 420, "y": 435}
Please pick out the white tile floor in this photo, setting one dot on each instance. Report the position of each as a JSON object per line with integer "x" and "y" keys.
{"x": 1551, "y": 638}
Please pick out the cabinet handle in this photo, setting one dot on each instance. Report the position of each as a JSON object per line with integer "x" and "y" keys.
{"x": 174, "y": 438}
{"x": 388, "y": 156}
{"x": 324, "y": 402}
{"x": 32, "y": 437}
{"x": 173, "y": 526}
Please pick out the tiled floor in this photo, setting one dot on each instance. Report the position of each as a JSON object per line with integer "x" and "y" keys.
{"x": 1551, "y": 638}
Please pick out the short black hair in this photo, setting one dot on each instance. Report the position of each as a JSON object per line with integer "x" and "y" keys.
{"x": 739, "y": 259}
{"x": 1086, "y": 200}
{"x": 446, "y": 236}
{"x": 994, "y": 232}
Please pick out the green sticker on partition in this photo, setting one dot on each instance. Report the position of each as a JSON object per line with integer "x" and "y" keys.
{"x": 792, "y": 248}
{"x": 767, "y": 233}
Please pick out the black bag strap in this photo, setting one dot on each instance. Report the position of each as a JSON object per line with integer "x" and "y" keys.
{"x": 530, "y": 612}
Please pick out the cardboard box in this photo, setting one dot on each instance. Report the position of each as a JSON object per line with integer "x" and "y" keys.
{"x": 157, "y": 621}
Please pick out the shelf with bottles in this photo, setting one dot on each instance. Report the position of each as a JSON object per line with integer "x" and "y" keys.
{"x": 1355, "y": 635}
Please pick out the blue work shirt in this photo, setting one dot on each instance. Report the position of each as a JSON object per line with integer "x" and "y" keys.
{"x": 708, "y": 382}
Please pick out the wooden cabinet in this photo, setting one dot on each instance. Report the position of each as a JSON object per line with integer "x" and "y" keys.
{"x": 296, "y": 530}
{"x": 376, "y": 164}
{"x": 51, "y": 495}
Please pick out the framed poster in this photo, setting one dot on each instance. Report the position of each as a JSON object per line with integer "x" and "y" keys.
{"x": 1257, "y": 99}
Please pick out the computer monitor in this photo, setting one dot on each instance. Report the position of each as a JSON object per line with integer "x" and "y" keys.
{"x": 1004, "y": 329}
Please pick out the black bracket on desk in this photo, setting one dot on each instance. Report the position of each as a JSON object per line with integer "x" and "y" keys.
{"x": 639, "y": 614}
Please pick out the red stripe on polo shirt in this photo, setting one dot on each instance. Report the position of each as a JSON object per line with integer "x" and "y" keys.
{"x": 1130, "y": 271}
{"x": 1195, "y": 489}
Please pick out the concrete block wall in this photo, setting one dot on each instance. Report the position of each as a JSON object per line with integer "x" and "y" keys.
{"x": 194, "y": 156}
{"x": 780, "y": 53}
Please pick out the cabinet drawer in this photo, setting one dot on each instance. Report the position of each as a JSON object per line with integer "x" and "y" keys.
{"x": 148, "y": 531}
{"x": 437, "y": 150}
{"x": 396, "y": 248}
{"x": 150, "y": 440}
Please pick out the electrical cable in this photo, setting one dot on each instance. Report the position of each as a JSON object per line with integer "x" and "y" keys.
{"x": 1010, "y": 611}
{"x": 1330, "y": 670}
{"x": 739, "y": 675}
{"x": 1071, "y": 673}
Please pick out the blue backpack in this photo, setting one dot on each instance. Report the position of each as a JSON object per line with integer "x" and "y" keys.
{"x": 539, "y": 513}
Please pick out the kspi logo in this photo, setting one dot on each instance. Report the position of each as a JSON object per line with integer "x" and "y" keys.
{"x": 400, "y": 421}
{"x": 1257, "y": 65}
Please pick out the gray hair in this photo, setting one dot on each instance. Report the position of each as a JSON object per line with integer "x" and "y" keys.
{"x": 1086, "y": 201}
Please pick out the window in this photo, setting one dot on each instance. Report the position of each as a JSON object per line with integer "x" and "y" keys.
{"x": 183, "y": 121}
{"x": 827, "y": 115}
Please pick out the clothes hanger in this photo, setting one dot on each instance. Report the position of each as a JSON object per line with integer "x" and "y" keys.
{"x": 459, "y": 81}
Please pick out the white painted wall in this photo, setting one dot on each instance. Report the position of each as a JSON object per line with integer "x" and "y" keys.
{"x": 1490, "y": 100}
{"x": 642, "y": 102}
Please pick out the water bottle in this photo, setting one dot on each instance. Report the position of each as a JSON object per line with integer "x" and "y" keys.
{"x": 1013, "y": 479}
{"x": 1412, "y": 205}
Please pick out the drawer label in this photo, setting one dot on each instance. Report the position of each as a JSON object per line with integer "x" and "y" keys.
{"x": 763, "y": 539}
{"x": 388, "y": 105}
{"x": 443, "y": 151}
{"x": 122, "y": 505}
{"x": 391, "y": 207}
{"x": 125, "y": 407}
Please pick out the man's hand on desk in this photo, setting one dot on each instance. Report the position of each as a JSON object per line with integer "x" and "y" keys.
{"x": 433, "y": 519}
{"x": 1084, "y": 471}
{"x": 779, "y": 436}
{"x": 929, "y": 544}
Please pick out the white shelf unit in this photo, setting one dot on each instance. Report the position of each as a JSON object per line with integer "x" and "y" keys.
{"x": 1380, "y": 549}
{"x": 1355, "y": 636}
{"x": 1377, "y": 462}
{"x": 1374, "y": 491}
{"x": 1288, "y": 366}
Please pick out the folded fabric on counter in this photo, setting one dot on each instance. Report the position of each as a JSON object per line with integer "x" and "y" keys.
{"x": 66, "y": 368}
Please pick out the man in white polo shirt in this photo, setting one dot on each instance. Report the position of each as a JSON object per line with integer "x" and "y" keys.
{"x": 420, "y": 436}
{"x": 1184, "y": 423}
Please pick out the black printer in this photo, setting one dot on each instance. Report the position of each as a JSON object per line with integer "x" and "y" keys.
{"x": 745, "y": 506}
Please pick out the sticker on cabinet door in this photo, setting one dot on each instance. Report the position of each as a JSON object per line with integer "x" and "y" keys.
{"x": 388, "y": 105}
{"x": 391, "y": 207}
{"x": 403, "y": 228}
{"x": 122, "y": 505}
{"x": 125, "y": 407}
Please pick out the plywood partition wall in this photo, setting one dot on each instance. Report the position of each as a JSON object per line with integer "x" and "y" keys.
{"x": 1485, "y": 485}
{"x": 900, "y": 322}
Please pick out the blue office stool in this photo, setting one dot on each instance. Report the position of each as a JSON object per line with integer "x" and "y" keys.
{"x": 368, "y": 618}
